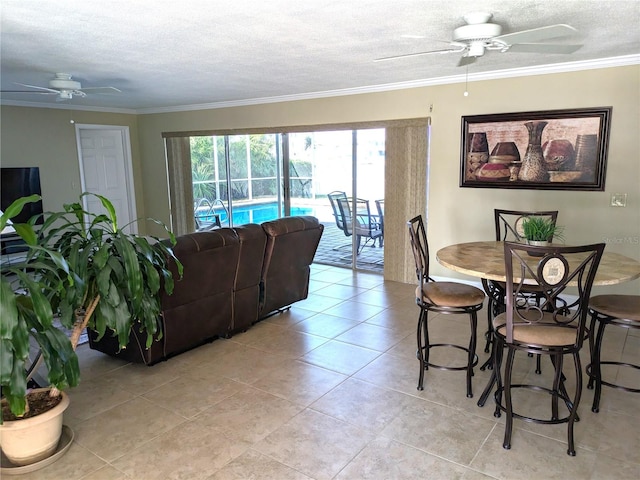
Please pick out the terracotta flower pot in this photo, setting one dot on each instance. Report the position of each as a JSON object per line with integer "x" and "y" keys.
{"x": 33, "y": 439}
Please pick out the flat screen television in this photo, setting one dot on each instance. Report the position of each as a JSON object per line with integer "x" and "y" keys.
{"x": 19, "y": 182}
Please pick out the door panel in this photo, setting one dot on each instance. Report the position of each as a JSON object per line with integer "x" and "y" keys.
{"x": 106, "y": 170}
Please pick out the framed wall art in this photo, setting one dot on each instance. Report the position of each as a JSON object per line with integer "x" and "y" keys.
{"x": 547, "y": 150}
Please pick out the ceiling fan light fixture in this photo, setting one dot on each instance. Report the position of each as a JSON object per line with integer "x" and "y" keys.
{"x": 476, "y": 49}
{"x": 484, "y": 31}
{"x": 63, "y": 82}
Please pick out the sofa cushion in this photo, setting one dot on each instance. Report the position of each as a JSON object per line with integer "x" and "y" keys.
{"x": 291, "y": 246}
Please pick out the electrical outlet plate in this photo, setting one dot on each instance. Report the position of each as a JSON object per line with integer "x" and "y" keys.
{"x": 619, "y": 200}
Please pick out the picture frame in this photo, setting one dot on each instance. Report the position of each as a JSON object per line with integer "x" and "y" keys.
{"x": 544, "y": 150}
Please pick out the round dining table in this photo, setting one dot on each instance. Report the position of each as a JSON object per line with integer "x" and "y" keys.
{"x": 486, "y": 260}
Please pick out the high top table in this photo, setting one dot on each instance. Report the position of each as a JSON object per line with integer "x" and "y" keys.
{"x": 485, "y": 260}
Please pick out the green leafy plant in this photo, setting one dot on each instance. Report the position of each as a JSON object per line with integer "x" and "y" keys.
{"x": 541, "y": 229}
{"x": 88, "y": 271}
{"x": 27, "y": 307}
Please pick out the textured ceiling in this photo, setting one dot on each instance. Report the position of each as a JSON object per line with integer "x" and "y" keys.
{"x": 165, "y": 54}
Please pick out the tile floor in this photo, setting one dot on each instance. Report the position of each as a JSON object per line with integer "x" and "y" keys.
{"x": 328, "y": 391}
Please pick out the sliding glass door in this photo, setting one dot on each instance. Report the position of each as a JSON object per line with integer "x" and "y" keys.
{"x": 343, "y": 164}
{"x": 253, "y": 178}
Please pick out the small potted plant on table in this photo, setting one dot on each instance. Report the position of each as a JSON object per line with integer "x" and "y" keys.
{"x": 541, "y": 230}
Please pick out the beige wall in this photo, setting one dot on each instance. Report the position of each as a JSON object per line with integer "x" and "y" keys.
{"x": 46, "y": 138}
{"x": 455, "y": 214}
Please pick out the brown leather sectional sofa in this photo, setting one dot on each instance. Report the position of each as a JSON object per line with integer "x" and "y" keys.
{"x": 233, "y": 277}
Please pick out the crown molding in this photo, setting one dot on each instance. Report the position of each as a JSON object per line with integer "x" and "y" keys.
{"x": 621, "y": 61}
{"x": 626, "y": 60}
{"x": 84, "y": 108}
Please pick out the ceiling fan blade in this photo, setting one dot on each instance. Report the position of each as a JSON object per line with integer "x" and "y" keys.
{"x": 537, "y": 34}
{"x": 28, "y": 91}
{"x": 466, "y": 61}
{"x": 543, "y": 48}
{"x": 51, "y": 90}
{"x": 419, "y": 54}
{"x": 104, "y": 90}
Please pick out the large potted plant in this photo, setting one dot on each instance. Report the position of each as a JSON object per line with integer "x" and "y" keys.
{"x": 90, "y": 273}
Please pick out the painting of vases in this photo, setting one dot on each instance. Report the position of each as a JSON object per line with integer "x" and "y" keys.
{"x": 553, "y": 150}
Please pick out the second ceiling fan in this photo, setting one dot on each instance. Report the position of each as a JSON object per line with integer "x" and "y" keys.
{"x": 478, "y": 36}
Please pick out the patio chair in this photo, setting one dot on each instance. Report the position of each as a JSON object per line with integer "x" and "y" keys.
{"x": 365, "y": 226}
{"x": 380, "y": 208}
{"x": 333, "y": 199}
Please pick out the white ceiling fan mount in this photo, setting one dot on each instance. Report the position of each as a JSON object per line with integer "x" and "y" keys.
{"x": 65, "y": 88}
{"x": 478, "y": 35}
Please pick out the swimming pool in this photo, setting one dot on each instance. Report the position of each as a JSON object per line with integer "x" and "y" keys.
{"x": 256, "y": 213}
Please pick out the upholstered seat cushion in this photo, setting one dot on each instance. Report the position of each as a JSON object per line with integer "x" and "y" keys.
{"x": 545, "y": 332}
{"x": 623, "y": 307}
{"x": 450, "y": 294}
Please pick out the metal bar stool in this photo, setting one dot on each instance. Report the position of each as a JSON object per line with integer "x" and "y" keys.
{"x": 444, "y": 298}
{"x": 622, "y": 311}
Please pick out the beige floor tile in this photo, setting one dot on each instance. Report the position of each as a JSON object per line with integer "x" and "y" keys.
{"x": 385, "y": 459}
{"x": 407, "y": 347}
{"x": 531, "y": 456}
{"x": 340, "y": 357}
{"x": 77, "y": 463}
{"x": 237, "y": 362}
{"x": 608, "y": 468}
{"x": 235, "y": 408}
{"x": 397, "y": 288}
{"x": 440, "y": 430}
{"x": 354, "y": 310}
{"x": 318, "y": 303}
{"x": 281, "y": 341}
{"x": 372, "y": 336}
{"x": 342, "y": 292}
{"x": 256, "y": 466}
{"x": 90, "y": 398}
{"x": 299, "y": 382}
{"x": 94, "y": 363}
{"x": 107, "y": 473}
{"x": 324, "y": 325}
{"x": 379, "y": 298}
{"x": 138, "y": 378}
{"x": 249, "y": 415}
{"x": 390, "y": 371}
{"x": 290, "y": 317}
{"x": 189, "y": 395}
{"x": 317, "y": 285}
{"x": 190, "y": 450}
{"x": 115, "y": 432}
{"x": 363, "y": 280}
{"x": 404, "y": 317}
{"x": 315, "y": 444}
{"x": 615, "y": 435}
{"x": 618, "y": 401}
{"x": 333, "y": 275}
{"x": 203, "y": 353}
{"x": 362, "y": 404}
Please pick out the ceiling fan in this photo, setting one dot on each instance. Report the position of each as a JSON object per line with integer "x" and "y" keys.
{"x": 65, "y": 88}
{"x": 478, "y": 35}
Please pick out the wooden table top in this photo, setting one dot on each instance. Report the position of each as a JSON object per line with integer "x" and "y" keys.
{"x": 486, "y": 260}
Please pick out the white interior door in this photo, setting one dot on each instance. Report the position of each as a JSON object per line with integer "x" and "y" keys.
{"x": 105, "y": 169}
